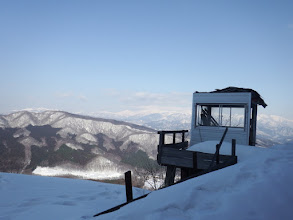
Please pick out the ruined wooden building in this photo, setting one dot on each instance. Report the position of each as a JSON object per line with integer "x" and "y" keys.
{"x": 232, "y": 107}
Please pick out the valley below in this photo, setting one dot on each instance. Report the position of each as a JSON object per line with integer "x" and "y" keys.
{"x": 57, "y": 143}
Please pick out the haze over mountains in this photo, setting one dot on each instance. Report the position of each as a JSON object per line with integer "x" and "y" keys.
{"x": 271, "y": 129}
{"x": 60, "y": 143}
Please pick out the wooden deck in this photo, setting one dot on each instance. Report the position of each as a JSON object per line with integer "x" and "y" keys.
{"x": 191, "y": 163}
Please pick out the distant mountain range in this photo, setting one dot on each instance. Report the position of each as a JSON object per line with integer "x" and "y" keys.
{"x": 271, "y": 129}
{"x": 60, "y": 143}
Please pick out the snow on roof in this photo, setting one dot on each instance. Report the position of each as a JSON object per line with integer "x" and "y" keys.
{"x": 255, "y": 96}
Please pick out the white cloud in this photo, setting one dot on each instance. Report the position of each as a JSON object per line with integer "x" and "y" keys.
{"x": 71, "y": 95}
{"x": 82, "y": 98}
{"x": 156, "y": 102}
{"x": 64, "y": 94}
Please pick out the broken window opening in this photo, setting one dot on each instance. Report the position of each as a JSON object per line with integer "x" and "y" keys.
{"x": 219, "y": 115}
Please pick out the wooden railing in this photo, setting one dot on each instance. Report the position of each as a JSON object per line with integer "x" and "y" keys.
{"x": 190, "y": 162}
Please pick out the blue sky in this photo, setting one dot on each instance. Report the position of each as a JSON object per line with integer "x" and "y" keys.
{"x": 89, "y": 56}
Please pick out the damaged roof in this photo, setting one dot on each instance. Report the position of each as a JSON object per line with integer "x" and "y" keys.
{"x": 255, "y": 96}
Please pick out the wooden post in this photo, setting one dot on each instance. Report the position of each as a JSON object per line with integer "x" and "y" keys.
{"x": 162, "y": 137}
{"x": 218, "y": 154}
{"x": 161, "y": 143}
{"x": 170, "y": 175}
{"x": 128, "y": 186}
{"x": 184, "y": 173}
{"x": 183, "y": 137}
{"x": 174, "y": 137}
{"x": 233, "y": 151}
{"x": 253, "y": 125}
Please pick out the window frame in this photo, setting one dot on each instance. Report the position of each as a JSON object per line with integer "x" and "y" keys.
{"x": 221, "y": 106}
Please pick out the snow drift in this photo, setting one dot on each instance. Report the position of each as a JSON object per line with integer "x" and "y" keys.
{"x": 258, "y": 187}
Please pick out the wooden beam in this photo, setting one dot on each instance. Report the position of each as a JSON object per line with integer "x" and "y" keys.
{"x": 119, "y": 206}
{"x": 177, "y": 145}
{"x": 183, "y": 158}
{"x": 169, "y": 132}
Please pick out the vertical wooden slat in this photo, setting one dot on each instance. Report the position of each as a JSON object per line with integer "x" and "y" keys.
{"x": 184, "y": 173}
{"x": 183, "y": 136}
{"x": 217, "y": 153}
{"x": 233, "y": 151}
{"x": 194, "y": 158}
{"x": 253, "y": 125}
{"x": 162, "y": 138}
{"x": 174, "y": 137}
{"x": 161, "y": 143}
{"x": 128, "y": 186}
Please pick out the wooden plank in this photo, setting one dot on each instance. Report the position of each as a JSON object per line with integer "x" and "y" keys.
{"x": 177, "y": 145}
{"x": 168, "y": 151}
{"x": 179, "y": 158}
{"x": 169, "y": 132}
{"x": 119, "y": 206}
{"x": 204, "y": 156}
{"x": 182, "y": 158}
{"x": 204, "y": 159}
{"x": 176, "y": 161}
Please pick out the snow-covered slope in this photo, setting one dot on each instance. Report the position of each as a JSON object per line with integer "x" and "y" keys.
{"x": 258, "y": 187}
{"x": 50, "y": 198}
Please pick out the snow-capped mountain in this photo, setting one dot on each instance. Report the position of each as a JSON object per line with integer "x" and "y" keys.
{"x": 271, "y": 129}
{"x": 61, "y": 143}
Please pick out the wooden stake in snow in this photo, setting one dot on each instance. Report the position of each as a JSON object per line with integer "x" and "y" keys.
{"x": 128, "y": 186}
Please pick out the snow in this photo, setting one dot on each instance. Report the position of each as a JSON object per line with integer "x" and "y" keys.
{"x": 47, "y": 198}
{"x": 243, "y": 152}
{"x": 98, "y": 169}
{"x": 258, "y": 187}
{"x": 86, "y": 174}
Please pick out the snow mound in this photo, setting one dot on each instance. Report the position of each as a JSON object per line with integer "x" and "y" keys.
{"x": 258, "y": 187}
{"x": 47, "y": 198}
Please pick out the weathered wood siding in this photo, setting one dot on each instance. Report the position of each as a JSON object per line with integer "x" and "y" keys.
{"x": 207, "y": 133}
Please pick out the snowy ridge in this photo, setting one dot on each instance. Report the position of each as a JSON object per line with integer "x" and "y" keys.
{"x": 105, "y": 139}
{"x": 258, "y": 187}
